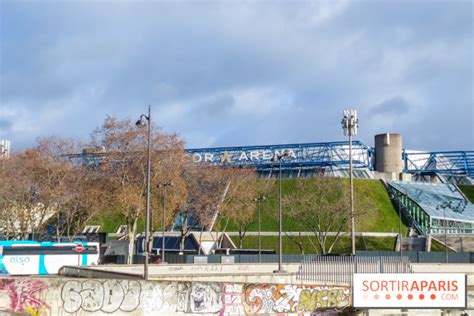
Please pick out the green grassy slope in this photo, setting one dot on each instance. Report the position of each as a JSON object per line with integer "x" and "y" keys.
{"x": 468, "y": 191}
{"x": 343, "y": 245}
{"x": 382, "y": 216}
{"x": 109, "y": 222}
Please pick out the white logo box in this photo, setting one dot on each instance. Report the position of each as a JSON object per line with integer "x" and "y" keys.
{"x": 411, "y": 290}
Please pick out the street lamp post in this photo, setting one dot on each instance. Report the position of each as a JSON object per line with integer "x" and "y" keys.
{"x": 280, "y": 157}
{"x": 164, "y": 186}
{"x": 399, "y": 198}
{"x": 400, "y": 222}
{"x": 350, "y": 123}
{"x": 445, "y": 205}
{"x": 145, "y": 121}
{"x": 258, "y": 200}
{"x": 445, "y": 236}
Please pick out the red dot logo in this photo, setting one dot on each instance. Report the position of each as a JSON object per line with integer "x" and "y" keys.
{"x": 399, "y": 296}
{"x": 422, "y": 297}
{"x": 410, "y": 296}
{"x": 387, "y": 296}
{"x": 376, "y": 296}
{"x": 433, "y": 296}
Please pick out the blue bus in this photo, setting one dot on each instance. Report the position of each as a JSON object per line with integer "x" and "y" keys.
{"x": 27, "y": 257}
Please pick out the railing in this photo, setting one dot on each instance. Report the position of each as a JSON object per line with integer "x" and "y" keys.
{"x": 341, "y": 269}
{"x": 408, "y": 210}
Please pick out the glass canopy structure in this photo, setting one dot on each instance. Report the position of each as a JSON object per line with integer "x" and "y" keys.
{"x": 435, "y": 208}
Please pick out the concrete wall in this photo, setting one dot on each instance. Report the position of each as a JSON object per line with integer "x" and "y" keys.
{"x": 388, "y": 153}
{"x": 67, "y": 296}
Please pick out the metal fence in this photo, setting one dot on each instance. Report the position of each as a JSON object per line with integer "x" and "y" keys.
{"x": 424, "y": 256}
{"x": 340, "y": 269}
{"x": 238, "y": 258}
{"x": 413, "y": 256}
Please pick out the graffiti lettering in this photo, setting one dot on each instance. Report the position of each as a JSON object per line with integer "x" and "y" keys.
{"x": 265, "y": 299}
{"x": 90, "y": 297}
{"x": 22, "y": 296}
{"x": 108, "y": 296}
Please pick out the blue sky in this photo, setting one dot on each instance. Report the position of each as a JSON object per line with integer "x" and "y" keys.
{"x": 240, "y": 73}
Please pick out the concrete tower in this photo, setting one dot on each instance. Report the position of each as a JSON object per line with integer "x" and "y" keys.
{"x": 388, "y": 153}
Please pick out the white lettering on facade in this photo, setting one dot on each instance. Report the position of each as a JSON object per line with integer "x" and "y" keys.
{"x": 254, "y": 155}
{"x": 208, "y": 157}
{"x": 243, "y": 156}
{"x": 291, "y": 153}
{"x": 197, "y": 158}
{"x": 267, "y": 155}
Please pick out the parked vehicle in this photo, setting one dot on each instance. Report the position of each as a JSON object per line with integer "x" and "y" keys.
{"x": 28, "y": 257}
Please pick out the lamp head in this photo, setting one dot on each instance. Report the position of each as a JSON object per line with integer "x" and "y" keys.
{"x": 141, "y": 122}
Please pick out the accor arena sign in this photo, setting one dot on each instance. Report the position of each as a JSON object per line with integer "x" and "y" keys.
{"x": 417, "y": 290}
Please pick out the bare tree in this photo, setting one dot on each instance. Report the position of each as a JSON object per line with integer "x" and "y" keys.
{"x": 83, "y": 196}
{"x": 125, "y": 166}
{"x": 205, "y": 186}
{"x": 320, "y": 206}
{"x": 33, "y": 193}
{"x": 238, "y": 205}
{"x": 298, "y": 240}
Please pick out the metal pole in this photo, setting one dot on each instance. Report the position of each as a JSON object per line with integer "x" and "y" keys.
{"x": 280, "y": 215}
{"x": 445, "y": 235}
{"x": 147, "y": 228}
{"x": 259, "y": 234}
{"x": 351, "y": 195}
{"x": 163, "y": 233}
{"x": 400, "y": 224}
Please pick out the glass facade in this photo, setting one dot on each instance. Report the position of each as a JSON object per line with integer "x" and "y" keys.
{"x": 435, "y": 208}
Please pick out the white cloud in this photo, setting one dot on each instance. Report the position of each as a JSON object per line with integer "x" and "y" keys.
{"x": 234, "y": 73}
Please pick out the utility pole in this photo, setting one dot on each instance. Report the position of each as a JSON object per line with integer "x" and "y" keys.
{"x": 145, "y": 121}
{"x": 163, "y": 244}
{"x": 350, "y": 124}
{"x": 280, "y": 157}
{"x": 259, "y": 200}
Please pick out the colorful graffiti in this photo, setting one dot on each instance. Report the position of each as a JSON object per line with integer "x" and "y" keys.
{"x": 23, "y": 296}
{"x": 267, "y": 299}
{"x": 134, "y": 297}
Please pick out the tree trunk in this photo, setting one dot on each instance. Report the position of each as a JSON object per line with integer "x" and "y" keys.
{"x": 57, "y": 229}
{"x": 184, "y": 230}
{"x": 200, "y": 241}
{"x": 131, "y": 240}
{"x": 241, "y": 237}
{"x": 181, "y": 242}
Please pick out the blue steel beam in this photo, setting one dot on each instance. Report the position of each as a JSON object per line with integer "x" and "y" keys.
{"x": 445, "y": 162}
{"x": 317, "y": 155}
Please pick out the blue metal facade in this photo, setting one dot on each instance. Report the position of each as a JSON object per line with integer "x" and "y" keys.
{"x": 442, "y": 162}
{"x": 308, "y": 155}
{"x": 325, "y": 156}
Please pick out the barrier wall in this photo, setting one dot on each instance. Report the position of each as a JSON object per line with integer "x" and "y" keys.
{"x": 64, "y": 296}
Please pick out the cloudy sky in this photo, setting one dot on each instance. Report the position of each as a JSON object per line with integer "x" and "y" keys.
{"x": 223, "y": 73}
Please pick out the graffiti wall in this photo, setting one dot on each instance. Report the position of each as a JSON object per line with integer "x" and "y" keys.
{"x": 36, "y": 296}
